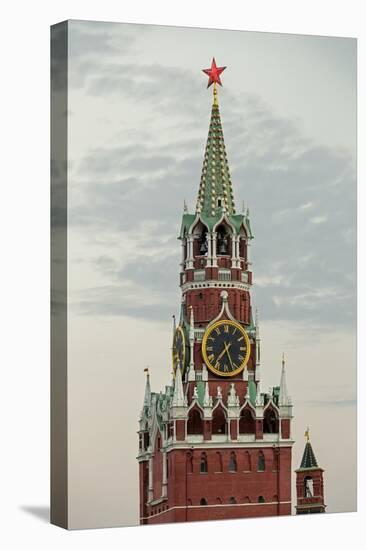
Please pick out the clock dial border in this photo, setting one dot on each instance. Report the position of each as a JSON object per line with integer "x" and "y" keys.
{"x": 180, "y": 330}
{"x": 204, "y": 344}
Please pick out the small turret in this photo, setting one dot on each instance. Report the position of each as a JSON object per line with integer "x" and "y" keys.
{"x": 309, "y": 483}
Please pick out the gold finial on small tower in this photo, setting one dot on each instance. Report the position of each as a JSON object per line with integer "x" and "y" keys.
{"x": 307, "y": 434}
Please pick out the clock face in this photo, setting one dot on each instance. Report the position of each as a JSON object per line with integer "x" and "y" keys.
{"x": 179, "y": 349}
{"x": 226, "y": 348}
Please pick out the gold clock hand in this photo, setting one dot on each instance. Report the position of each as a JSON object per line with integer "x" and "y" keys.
{"x": 223, "y": 352}
{"x": 229, "y": 356}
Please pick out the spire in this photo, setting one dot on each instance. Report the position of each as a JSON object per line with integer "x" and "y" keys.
{"x": 178, "y": 396}
{"x": 308, "y": 458}
{"x": 284, "y": 399}
{"x": 215, "y": 194}
{"x": 147, "y": 396}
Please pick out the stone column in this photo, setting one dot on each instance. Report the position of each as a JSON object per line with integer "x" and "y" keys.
{"x": 234, "y": 260}
{"x": 214, "y": 246}
{"x": 183, "y": 254}
{"x": 209, "y": 249}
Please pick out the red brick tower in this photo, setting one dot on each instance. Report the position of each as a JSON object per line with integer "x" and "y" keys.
{"x": 213, "y": 445}
{"x": 309, "y": 483}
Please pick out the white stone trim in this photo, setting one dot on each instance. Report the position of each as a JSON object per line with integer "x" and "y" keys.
{"x": 215, "y": 283}
{"x": 233, "y": 445}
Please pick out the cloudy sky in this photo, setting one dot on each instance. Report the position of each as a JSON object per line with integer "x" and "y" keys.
{"x": 138, "y": 120}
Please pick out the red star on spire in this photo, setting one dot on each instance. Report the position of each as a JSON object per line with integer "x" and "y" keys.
{"x": 214, "y": 73}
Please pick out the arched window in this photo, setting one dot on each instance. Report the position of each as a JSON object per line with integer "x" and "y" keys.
{"x": 270, "y": 422}
{"x": 247, "y": 462}
{"x": 203, "y": 464}
{"x": 261, "y": 499}
{"x": 232, "y": 463}
{"x": 195, "y": 424}
{"x": 203, "y": 502}
{"x": 308, "y": 487}
{"x": 218, "y": 467}
{"x": 246, "y": 500}
{"x": 232, "y": 500}
{"x": 218, "y": 500}
{"x": 203, "y": 243}
{"x": 219, "y": 424}
{"x": 246, "y": 422}
{"x": 189, "y": 502}
{"x": 222, "y": 240}
{"x": 261, "y": 462}
{"x": 275, "y": 498}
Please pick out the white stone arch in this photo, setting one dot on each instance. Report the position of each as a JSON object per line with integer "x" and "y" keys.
{"x": 220, "y": 405}
{"x": 224, "y": 219}
{"x": 198, "y": 219}
{"x": 247, "y": 405}
{"x": 195, "y": 403}
{"x": 272, "y": 404}
{"x": 219, "y": 402}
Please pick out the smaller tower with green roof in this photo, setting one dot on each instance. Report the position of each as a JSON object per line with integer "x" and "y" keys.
{"x": 309, "y": 483}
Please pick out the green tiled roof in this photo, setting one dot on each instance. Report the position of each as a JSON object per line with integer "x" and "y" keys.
{"x": 308, "y": 458}
{"x": 215, "y": 191}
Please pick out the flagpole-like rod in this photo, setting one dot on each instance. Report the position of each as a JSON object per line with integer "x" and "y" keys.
{"x": 215, "y": 102}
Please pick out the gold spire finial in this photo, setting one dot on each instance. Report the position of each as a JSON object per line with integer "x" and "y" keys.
{"x": 146, "y": 370}
{"x": 307, "y": 434}
{"x": 215, "y": 102}
{"x": 283, "y": 358}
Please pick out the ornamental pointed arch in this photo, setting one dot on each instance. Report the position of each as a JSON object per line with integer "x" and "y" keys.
{"x": 222, "y": 221}
{"x": 247, "y": 420}
{"x": 219, "y": 419}
{"x": 270, "y": 418}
